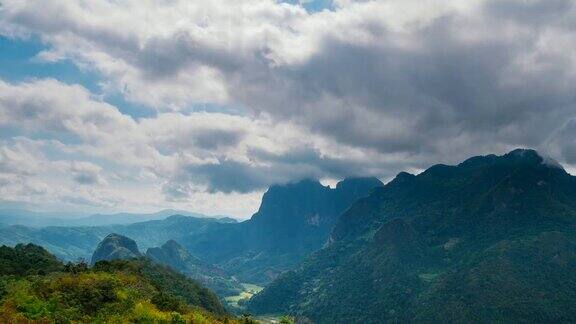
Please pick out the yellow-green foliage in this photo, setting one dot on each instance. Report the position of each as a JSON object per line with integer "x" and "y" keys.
{"x": 36, "y": 288}
{"x": 93, "y": 297}
{"x": 287, "y": 320}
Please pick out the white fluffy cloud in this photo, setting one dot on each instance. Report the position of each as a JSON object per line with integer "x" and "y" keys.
{"x": 368, "y": 87}
{"x": 69, "y": 146}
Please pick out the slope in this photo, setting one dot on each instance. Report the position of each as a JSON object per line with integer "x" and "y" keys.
{"x": 293, "y": 220}
{"x": 111, "y": 291}
{"x": 490, "y": 240}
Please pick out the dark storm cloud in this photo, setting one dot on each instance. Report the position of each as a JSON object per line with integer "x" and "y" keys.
{"x": 449, "y": 92}
{"x": 86, "y": 178}
{"x": 302, "y": 163}
{"x": 225, "y": 176}
{"x": 214, "y": 139}
{"x": 161, "y": 57}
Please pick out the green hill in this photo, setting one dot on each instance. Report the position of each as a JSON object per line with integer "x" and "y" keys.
{"x": 37, "y": 288}
{"x": 27, "y": 259}
{"x": 176, "y": 257}
{"x": 492, "y": 239}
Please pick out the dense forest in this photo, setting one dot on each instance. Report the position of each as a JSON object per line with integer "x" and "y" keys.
{"x": 491, "y": 240}
{"x": 36, "y": 287}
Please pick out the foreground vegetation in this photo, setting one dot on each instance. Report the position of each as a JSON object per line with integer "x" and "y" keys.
{"x": 36, "y": 287}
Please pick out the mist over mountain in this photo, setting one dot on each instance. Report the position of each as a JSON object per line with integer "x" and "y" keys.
{"x": 492, "y": 239}
{"x": 42, "y": 219}
{"x": 111, "y": 111}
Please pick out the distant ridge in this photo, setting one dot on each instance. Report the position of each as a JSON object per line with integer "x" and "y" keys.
{"x": 71, "y": 243}
{"x": 41, "y": 219}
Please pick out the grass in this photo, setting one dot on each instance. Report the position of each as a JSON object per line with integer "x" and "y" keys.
{"x": 249, "y": 291}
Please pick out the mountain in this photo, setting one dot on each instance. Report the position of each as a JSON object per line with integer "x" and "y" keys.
{"x": 42, "y": 219}
{"x": 492, "y": 239}
{"x": 176, "y": 257}
{"x": 293, "y": 220}
{"x": 36, "y": 287}
{"x": 17, "y": 216}
{"x": 130, "y": 218}
{"x": 73, "y": 243}
{"x": 116, "y": 247}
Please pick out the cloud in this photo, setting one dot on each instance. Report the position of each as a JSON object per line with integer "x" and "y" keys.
{"x": 394, "y": 76}
{"x": 71, "y": 147}
{"x": 28, "y": 175}
{"x": 86, "y": 173}
{"x": 365, "y": 88}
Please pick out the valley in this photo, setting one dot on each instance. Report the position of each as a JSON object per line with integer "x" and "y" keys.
{"x": 239, "y": 301}
{"x": 447, "y": 238}
{"x": 288, "y": 161}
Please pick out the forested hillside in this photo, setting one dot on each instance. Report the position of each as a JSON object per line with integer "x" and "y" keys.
{"x": 70, "y": 243}
{"x": 34, "y": 286}
{"x": 176, "y": 257}
{"x": 293, "y": 221}
{"x": 490, "y": 240}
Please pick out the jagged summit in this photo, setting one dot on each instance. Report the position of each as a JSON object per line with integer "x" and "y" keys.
{"x": 349, "y": 183}
{"x": 518, "y": 156}
{"x": 293, "y": 220}
{"x": 312, "y": 197}
{"x": 528, "y": 156}
{"x": 403, "y": 177}
{"x": 171, "y": 244}
{"x": 173, "y": 254}
{"x": 533, "y": 156}
{"x": 358, "y": 186}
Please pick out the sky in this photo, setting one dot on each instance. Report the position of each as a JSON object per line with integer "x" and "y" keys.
{"x": 141, "y": 105}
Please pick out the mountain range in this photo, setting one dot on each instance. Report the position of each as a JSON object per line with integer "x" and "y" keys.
{"x": 492, "y": 239}
{"x": 293, "y": 220}
{"x": 71, "y": 243}
{"x": 14, "y": 216}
